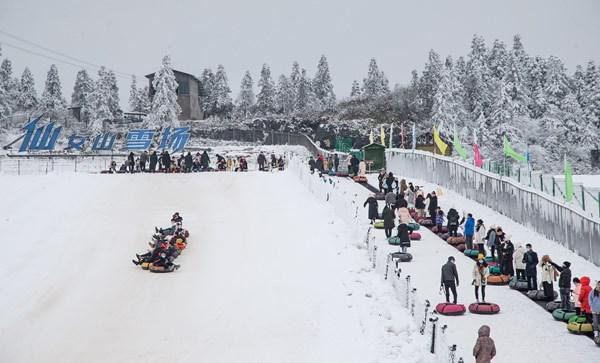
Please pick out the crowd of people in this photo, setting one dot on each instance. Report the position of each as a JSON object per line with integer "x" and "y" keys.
{"x": 188, "y": 163}
{"x": 331, "y": 164}
{"x": 513, "y": 259}
{"x": 166, "y": 245}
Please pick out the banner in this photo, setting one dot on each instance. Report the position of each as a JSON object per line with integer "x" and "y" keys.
{"x": 568, "y": 181}
{"x": 371, "y": 137}
{"x": 414, "y": 137}
{"x": 458, "y": 147}
{"x": 382, "y": 135}
{"x": 391, "y": 129}
{"x": 508, "y": 151}
{"x": 442, "y": 146}
{"x": 478, "y": 159}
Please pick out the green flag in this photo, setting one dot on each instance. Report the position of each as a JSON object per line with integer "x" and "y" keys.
{"x": 458, "y": 146}
{"x": 508, "y": 151}
{"x": 568, "y": 181}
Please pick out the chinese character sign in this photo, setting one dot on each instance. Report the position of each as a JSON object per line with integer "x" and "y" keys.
{"x": 38, "y": 138}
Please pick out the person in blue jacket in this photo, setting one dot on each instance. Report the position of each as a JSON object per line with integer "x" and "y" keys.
{"x": 594, "y": 300}
{"x": 469, "y": 231}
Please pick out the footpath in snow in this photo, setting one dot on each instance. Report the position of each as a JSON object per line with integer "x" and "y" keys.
{"x": 269, "y": 274}
{"x": 522, "y": 331}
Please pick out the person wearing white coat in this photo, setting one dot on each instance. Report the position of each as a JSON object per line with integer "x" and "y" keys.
{"x": 480, "y": 275}
{"x": 518, "y": 261}
{"x": 480, "y": 234}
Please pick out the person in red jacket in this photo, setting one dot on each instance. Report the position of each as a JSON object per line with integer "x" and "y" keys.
{"x": 584, "y": 297}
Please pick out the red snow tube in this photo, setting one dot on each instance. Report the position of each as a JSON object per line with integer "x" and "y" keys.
{"x": 443, "y": 230}
{"x": 360, "y": 179}
{"x": 450, "y": 309}
{"x": 413, "y": 215}
{"x": 498, "y": 279}
{"x": 412, "y": 210}
{"x": 415, "y": 236}
{"x": 461, "y": 247}
{"x": 341, "y": 173}
{"x": 426, "y": 222}
{"x": 484, "y": 308}
{"x": 455, "y": 240}
{"x": 492, "y": 263}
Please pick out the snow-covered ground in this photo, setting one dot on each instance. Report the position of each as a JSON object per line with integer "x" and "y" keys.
{"x": 522, "y": 329}
{"x": 269, "y": 275}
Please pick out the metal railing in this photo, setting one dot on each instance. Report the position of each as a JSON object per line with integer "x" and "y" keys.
{"x": 528, "y": 206}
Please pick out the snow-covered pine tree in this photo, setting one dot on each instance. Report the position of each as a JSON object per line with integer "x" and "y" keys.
{"x": 284, "y": 95}
{"x": 355, "y": 92}
{"x": 376, "y": 84}
{"x": 428, "y": 85}
{"x": 53, "y": 103}
{"x": 536, "y": 76}
{"x": 113, "y": 102}
{"x": 165, "y": 110}
{"x": 478, "y": 87}
{"x": 592, "y": 93}
{"x": 10, "y": 88}
{"x": 581, "y": 136}
{"x": 221, "y": 97}
{"x": 557, "y": 83}
{"x": 206, "y": 91}
{"x": 82, "y": 93}
{"x": 305, "y": 99}
{"x": 497, "y": 60}
{"x": 245, "y": 100}
{"x": 133, "y": 95}
{"x": 99, "y": 103}
{"x": 578, "y": 84}
{"x": 448, "y": 107}
{"x": 294, "y": 80}
{"x": 265, "y": 99}
{"x": 27, "y": 100}
{"x": 322, "y": 86}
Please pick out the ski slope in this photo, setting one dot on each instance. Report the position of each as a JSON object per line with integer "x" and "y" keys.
{"x": 522, "y": 331}
{"x": 269, "y": 274}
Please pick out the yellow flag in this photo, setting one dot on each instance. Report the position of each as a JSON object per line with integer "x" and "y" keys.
{"x": 371, "y": 137}
{"x": 439, "y": 142}
{"x": 382, "y": 136}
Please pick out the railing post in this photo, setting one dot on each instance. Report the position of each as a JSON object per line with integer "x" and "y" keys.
{"x": 542, "y": 182}
{"x": 519, "y": 174}
{"x": 582, "y": 198}
{"x": 18, "y": 167}
{"x": 553, "y": 187}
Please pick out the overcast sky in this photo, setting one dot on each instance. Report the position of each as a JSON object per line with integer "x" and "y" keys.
{"x": 132, "y": 36}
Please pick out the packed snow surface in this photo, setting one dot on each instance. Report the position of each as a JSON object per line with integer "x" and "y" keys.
{"x": 269, "y": 274}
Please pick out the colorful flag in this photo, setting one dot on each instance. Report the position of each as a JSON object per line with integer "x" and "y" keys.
{"x": 568, "y": 181}
{"x": 508, "y": 151}
{"x": 458, "y": 146}
{"x": 442, "y": 146}
{"x": 414, "y": 137}
{"x": 402, "y": 135}
{"x": 478, "y": 160}
{"x": 371, "y": 137}
{"x": 391, "y": 129}
{"x": 382, "y": 135}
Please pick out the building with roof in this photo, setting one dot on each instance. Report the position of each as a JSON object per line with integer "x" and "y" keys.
{"x": 188, "y": 95}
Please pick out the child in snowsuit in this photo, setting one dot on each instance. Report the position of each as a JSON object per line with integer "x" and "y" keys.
{"x": 439, "y": 220}
{"x": 584, "y": 298}
{"x": 485, "y": 348}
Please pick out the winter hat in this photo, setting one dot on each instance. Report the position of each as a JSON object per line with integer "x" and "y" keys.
{"x": 567, "y": 264}
{"x": 451, "y": 258}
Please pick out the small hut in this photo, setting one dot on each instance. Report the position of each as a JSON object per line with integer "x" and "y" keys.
{"x": 374, "y": 156}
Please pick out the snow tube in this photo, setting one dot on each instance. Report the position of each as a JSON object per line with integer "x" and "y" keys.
{"x": 578, "y": 324}
{"x": 378, "y": 224}
{"x": 494, "y": 270}
{"x": 444, "y": 229}
{"x": 412, "y": 210}
{"x": 186, "y": 233}
{"x": 401, "y": 256}
{"x": 444, "y": 236}
{"x": 450, "y": 309}
{"x": 415, "y": 236}
{"x": 331, "y": 173}
{"x": 414, "y": 226}
{"x": 360, "y": 179}
{"x": 553, "y": 305}
{"x": 490, "y": 259}
{"x": 498, "y": 279}
{"x": 426, "y": 222}
{"x": 161, "y": 269}
{"x": 492, "y": 263}
{"x": 520, "y": 285}
{"x": 455, "y": 240}
{"x": 597, "y": 340}
{"x": 145, "y": 265}
{"x": 379, "y": 196}
{"x": 461, "y": 247}
{"x": 563, "y": 315}
{"x": 394, "y": 241}
{"x": 471, "y": 253}
{"x": 539, "y": 295}
{"x": 343, "y": 174}
{"x": 484, "y": 308}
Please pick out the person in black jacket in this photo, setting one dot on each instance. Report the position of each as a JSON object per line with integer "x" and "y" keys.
{"x": 153, "y": 160}
{"x": 388, "y": 220}
{"x": 453, "y": 222}
{"x": 400, "y": 201}
{"x": 449, "y": 276}
{"x": 166, "y": 161}
{"x": 189, "y": 160}
{"x": 530, "y": 259}
{"x": 373, "y": 206}
{"x": 336, "y": 162}
{"x": 564, "y": 283}
{"x": 131, "y": 162}
{"x": 262, "y": 160}
{"x": 420, "y": 205}
{"x": 404, "y": 232}
{"x": 389, "y": 182}
{"x": 204, "y": 161}
{"x": 507, "y": 248}
{"x": 319, "y": 164}
{"x": 433, "y": 205}
{"x": 380, "y": 179}
{"x": 354, "y": 162}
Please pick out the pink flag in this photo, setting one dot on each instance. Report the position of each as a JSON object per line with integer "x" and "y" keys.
{"x": 478, "y": 160}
